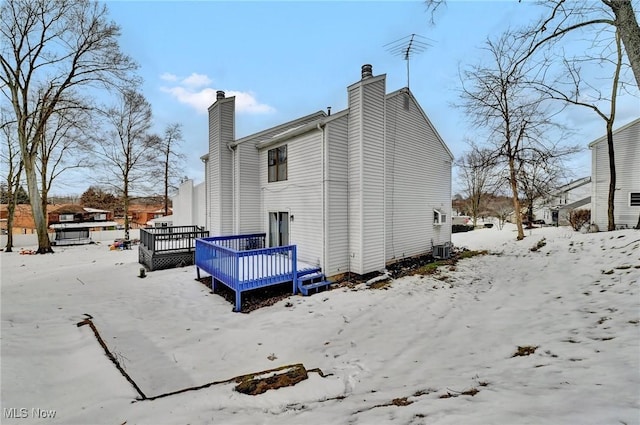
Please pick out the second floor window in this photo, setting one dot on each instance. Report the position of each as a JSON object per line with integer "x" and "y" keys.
{"x": 278, "y": 164}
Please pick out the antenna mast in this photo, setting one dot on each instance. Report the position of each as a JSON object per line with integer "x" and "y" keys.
{"x": 408, "y": 46}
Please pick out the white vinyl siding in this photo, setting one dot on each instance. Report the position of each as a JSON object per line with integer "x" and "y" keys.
{"x": 300, "y": 195}
{"x": 627, "y": 157}
{"x": 373, "y": 177}
{"x": 366, "y": 175}
{"x": 220, "y": 166}
{"x": 336, "y": 200}
{"x": 247, "y": 190}
{"x": 418, "y": 181}
{"x": 354, "y": 180}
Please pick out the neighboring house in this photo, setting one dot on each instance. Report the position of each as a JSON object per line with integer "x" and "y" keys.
{"x": 140, "y": 215}
{"x": 189, "y": 205}
{"x": 73, "y": 213}
{"x": 22, "y": 220}
{"x": 72, "y": 223}
{"x": 56, "y": 214}
{"x": 626, "y": 141}
{"x": 164, "y": 221}
{"x": 571, "y": 196}
{"x": 354, "y": 190}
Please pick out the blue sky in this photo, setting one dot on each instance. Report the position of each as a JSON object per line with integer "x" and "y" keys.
{"x": 287, "y": 59}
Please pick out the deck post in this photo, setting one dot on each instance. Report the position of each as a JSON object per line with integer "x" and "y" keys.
{"x": 236, "y": 283}
{"x": 238, "y": 301}
{"x": 294, "y": 264}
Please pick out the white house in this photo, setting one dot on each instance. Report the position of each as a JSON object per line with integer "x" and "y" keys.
{"x": 626, "y": 142}
{"x": 188, "y": 205}
{"x": 566, "y": 198}
{"x": 354, "y": 190}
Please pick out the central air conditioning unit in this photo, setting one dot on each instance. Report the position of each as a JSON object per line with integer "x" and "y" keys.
{"x": 442, "y": 252}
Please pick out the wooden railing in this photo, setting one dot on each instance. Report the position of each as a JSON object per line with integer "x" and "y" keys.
{"x": 175, "y": 238}
{"x": 242, "y": 263}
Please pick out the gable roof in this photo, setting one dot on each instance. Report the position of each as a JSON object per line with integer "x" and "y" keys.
{"x": 296, "y": 127}
{"x": 617, "y": 130}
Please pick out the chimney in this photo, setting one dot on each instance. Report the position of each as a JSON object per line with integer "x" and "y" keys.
{"x": 219, "y": 95}
{"x": 367, "y": 71}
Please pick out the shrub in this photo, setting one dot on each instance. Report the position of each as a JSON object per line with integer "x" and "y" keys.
{"x": 458, "y": 228}
{"x": 578, "y": 218}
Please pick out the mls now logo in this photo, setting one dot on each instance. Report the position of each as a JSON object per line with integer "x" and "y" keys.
{"x": 23, "y": 412}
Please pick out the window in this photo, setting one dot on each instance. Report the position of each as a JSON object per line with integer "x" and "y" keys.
{"x": 278, "y": 164}
{"x": 634, "y": 199}
{"x": 439, "y": 218}
{"x": 66, "y": 217}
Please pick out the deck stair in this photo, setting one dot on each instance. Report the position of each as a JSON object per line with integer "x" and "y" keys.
{"x": 310, "y": 279}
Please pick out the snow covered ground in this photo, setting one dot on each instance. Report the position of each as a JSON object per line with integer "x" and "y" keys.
{"x": 404, "y": 354}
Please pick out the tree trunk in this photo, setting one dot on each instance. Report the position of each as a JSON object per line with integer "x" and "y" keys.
{"x": 11, "y": 211}
{"x": 611, "y": 223}
{"x": 629, "y": 31}
{"x": 166, "y": 181}
{"x": 516, "y": 200}
{"x": 126, "y": 213}
{"x": 39, "y": 215}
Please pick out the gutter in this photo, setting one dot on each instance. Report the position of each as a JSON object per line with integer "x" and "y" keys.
{"x": 292, "y": 133}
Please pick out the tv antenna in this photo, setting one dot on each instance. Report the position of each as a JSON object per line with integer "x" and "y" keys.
{"x": 407, "y": 47}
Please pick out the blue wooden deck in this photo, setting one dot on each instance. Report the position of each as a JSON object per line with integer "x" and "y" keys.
{"x": 242, "y": 263}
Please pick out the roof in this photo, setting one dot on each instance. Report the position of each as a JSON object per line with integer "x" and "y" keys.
{"x": 617, "y": 130}
{"x": 573, "y": 184}
{"x": 68, "y": 209}
{"x": 281, "y": 128}
{"x": 85, "y": 225}
{"x": 295, "y": 130}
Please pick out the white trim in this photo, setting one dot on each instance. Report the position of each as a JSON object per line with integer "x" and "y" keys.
{"x": 441, "y": 217}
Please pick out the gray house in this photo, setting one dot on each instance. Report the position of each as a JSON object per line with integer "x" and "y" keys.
{"x": 626, "y": 141}
{"x": 354, "y": 190}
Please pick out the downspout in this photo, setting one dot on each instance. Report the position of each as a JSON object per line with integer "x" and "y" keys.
{"x": 321, "y": 126}
{"x": 207, "y": 195}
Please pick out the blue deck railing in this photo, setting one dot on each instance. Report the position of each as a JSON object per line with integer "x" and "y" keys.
{"x": 242, "y": 263}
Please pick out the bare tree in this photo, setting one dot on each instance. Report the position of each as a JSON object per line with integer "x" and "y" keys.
{"x": 171, "y": 160}
{"x": 130, "y": 153}
{"x": 501, "y": 207}
{"x": 49, "y": 48}
{"x": 10, "y": 155}
{"x": 498, "y": 100}
{"x": 572, "y": 91}
{"x": 539, "y": 176}
{"x": 477, "y": 174}
{"x": 565, "y": 17}
{"x": 63, "y": 145}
